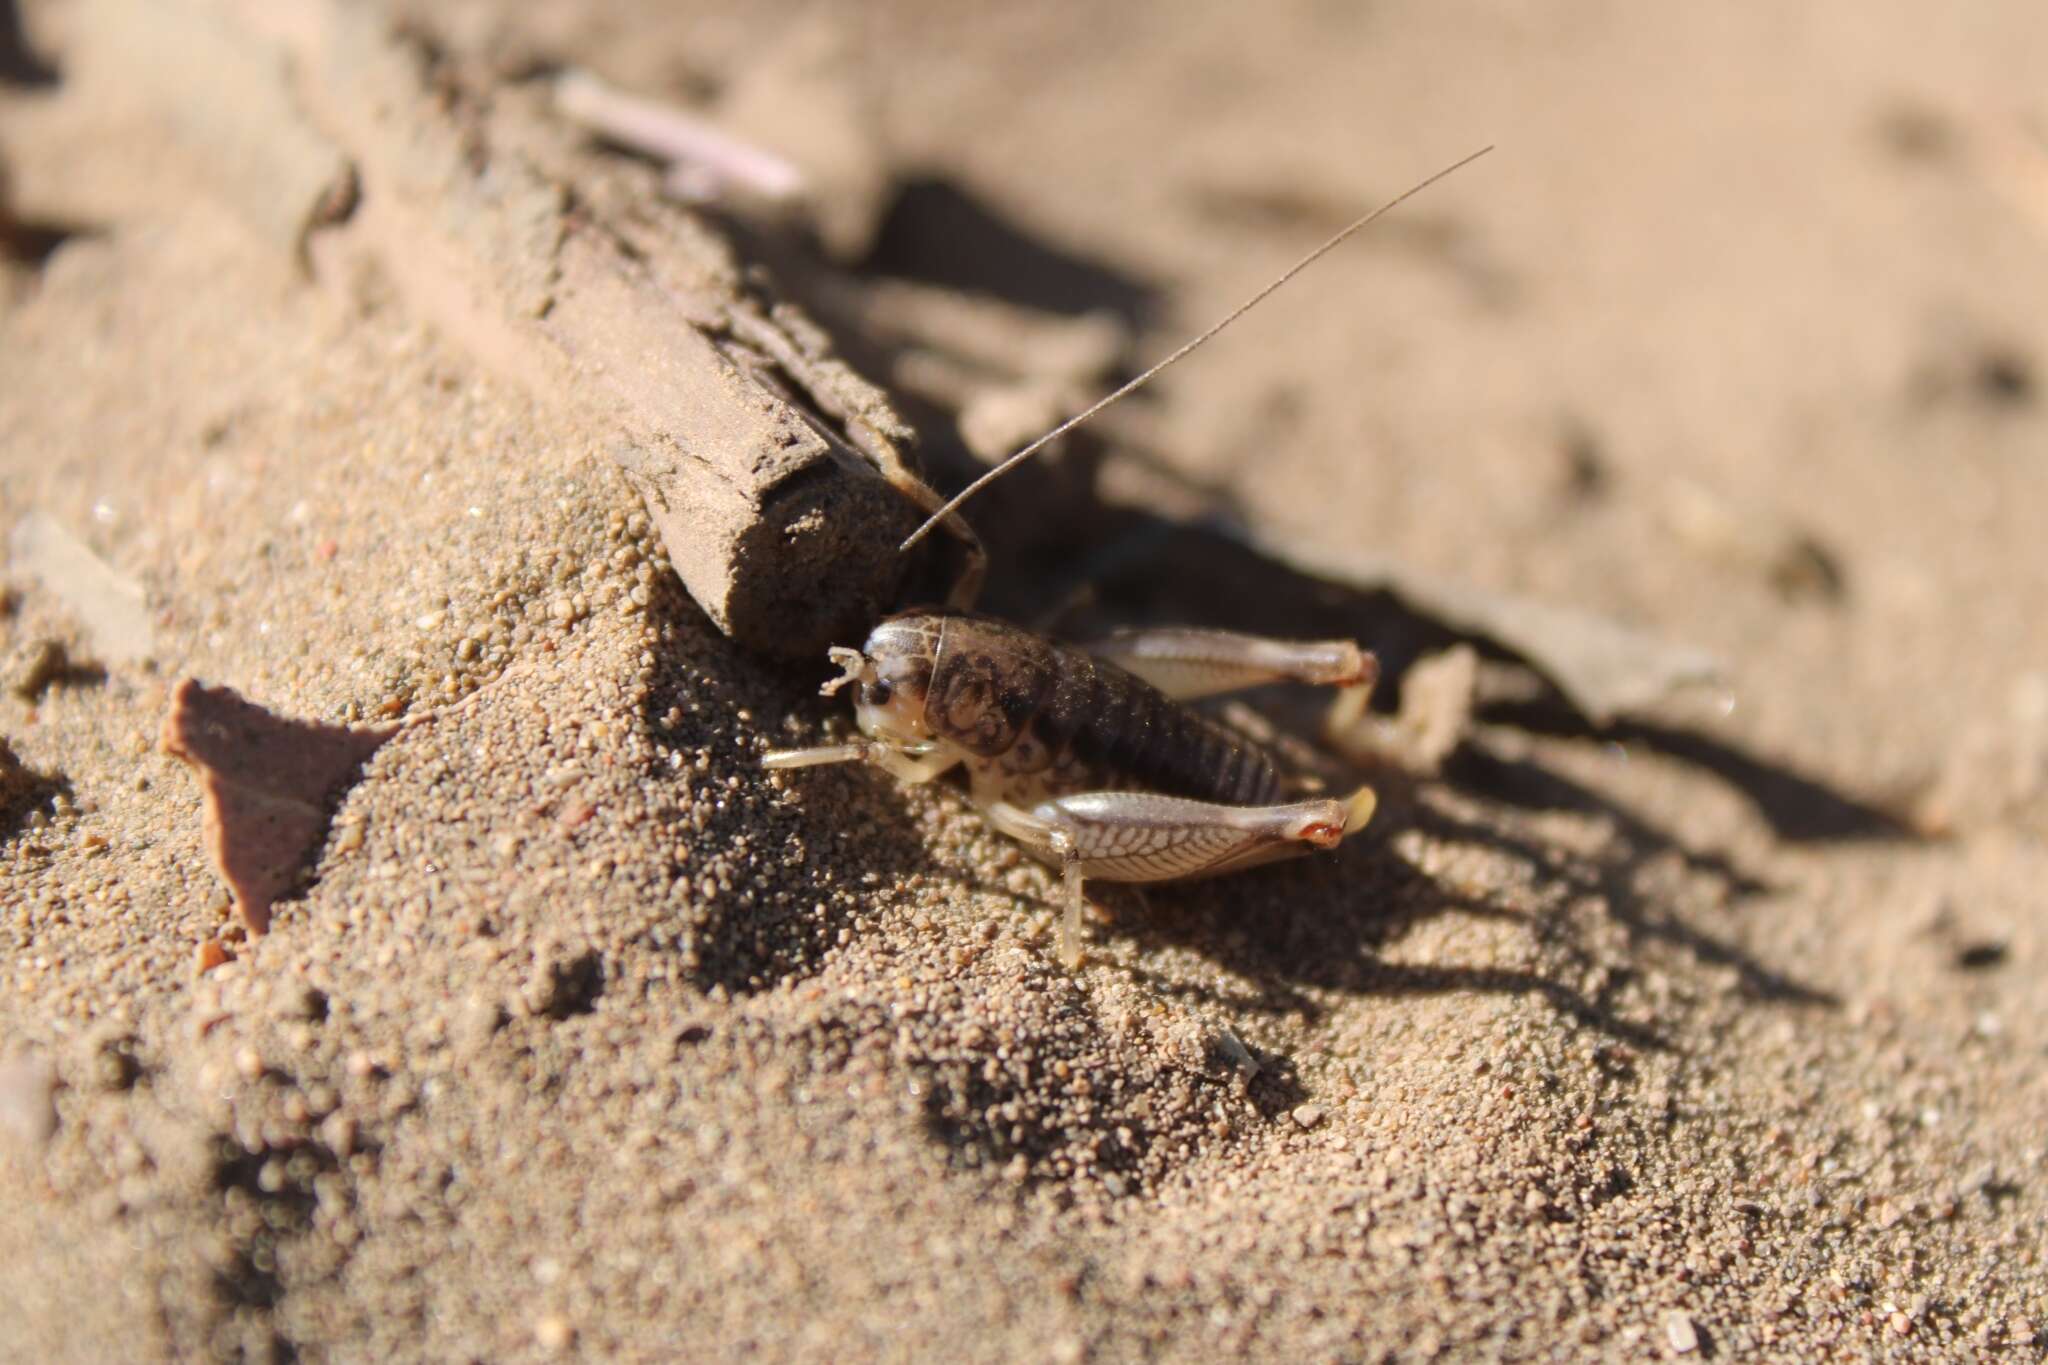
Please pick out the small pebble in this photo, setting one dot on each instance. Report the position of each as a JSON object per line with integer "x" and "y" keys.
{"x": 1308, "y": 1115}
{"x": 1680, "y": 1333}
{"x": 302, "y": 1000}
{"x": 479, "y": 1020}
{"x": 554, "y": 1333}
{"x": 338, "y": 1133}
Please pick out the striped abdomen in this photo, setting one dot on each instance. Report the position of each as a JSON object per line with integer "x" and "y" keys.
{"x": 1040, "y": 720}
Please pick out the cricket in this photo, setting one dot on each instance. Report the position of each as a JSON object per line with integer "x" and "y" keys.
{"x": 1089, "y": 756}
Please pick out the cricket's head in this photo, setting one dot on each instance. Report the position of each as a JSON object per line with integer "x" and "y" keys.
{"x": 893, "y": 674}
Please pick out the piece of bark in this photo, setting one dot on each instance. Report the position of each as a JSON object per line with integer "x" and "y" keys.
{"x": 771, "y": 472}
{"x": 266, "y": 781}
{"x": 760, "y": 463}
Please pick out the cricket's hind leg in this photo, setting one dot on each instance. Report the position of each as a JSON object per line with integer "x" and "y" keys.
{"x": 1187, "y": 663}
{"x": 1139, "y": 837}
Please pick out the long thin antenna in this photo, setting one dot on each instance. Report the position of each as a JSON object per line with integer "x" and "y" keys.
{"x": 1134, "y": 385}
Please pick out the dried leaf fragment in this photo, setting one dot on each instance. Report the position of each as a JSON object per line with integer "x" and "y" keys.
{"x": 266, "y": 780}
{"x": 1603, "y": 668}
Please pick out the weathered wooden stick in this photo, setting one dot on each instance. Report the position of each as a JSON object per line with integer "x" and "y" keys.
{"x": 776, "y": 477}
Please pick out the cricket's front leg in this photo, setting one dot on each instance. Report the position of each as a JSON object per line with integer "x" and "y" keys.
{"x": 904, "y": 766}
{"x": 1139, "y": 837}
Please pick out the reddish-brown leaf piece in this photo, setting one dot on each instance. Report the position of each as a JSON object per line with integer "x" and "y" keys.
{"x": 266, "y": 779}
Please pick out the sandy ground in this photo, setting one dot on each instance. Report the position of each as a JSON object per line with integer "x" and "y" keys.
{"x": 1715, "y": 1032}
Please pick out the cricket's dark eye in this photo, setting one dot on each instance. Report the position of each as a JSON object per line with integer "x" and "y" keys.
{"x": 878, "y": 694}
